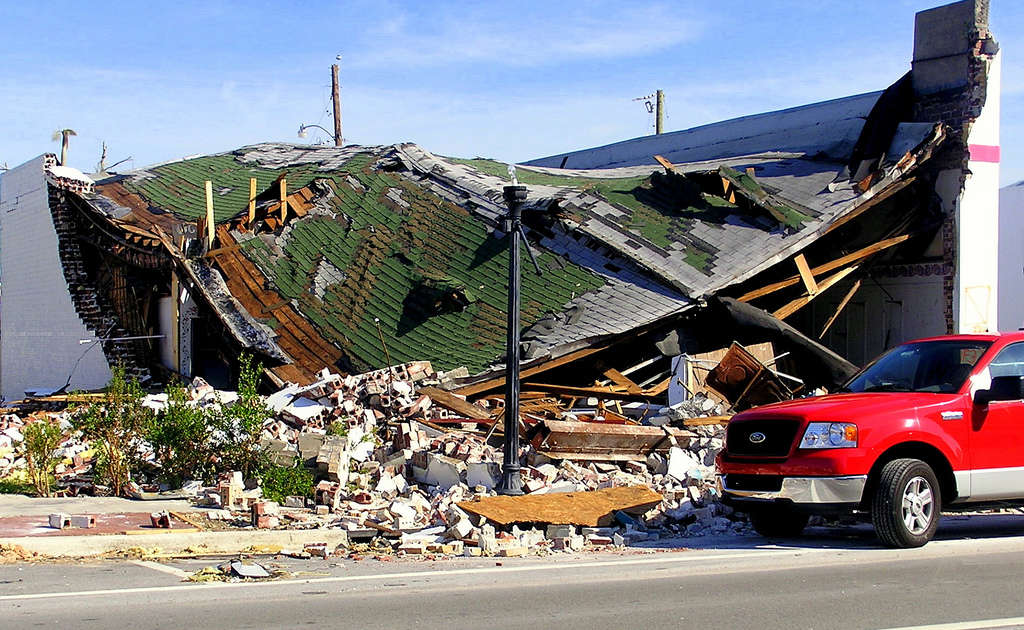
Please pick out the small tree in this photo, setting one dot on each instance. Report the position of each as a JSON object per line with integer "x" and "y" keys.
{"x": 118, "y": 426}
{"x": 42, "y": 439}
{"x": 238, "y": 427}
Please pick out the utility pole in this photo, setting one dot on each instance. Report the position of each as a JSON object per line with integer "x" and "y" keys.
{"x": 336, "y": 95}
{"x": 659, "y": 121}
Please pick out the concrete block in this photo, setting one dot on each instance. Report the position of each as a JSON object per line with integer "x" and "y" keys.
{"x": 484, "y": 474}
{"x": 60, "y": 520}
{"x": 444, "y": 472}
{"x": 84, "y": 521}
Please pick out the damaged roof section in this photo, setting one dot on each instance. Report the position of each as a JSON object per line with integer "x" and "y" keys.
{"x": 352, "y": 257}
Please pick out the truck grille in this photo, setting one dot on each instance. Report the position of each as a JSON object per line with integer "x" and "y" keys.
{"x": 778, "y": 437}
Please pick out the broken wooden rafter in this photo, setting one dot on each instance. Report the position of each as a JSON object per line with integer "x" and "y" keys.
{"x": 622, "y": 381}
{"x": 870, "y": 203}
{"x": 669, "y": 167}
{"x": 494, "y": 383}
{"x": 613, "y": 392}
{"x": 805, "y": 274}
{"x": 803, "y": 300}
{"x": 839, "y": 309}
{"x": 856, "y": 256}
{"x": 454, "y": 403}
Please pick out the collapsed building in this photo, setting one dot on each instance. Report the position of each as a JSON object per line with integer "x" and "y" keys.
{"x": 860, "y": 222}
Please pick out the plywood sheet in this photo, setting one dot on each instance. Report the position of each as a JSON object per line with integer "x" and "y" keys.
{"x": 591, "y": 509}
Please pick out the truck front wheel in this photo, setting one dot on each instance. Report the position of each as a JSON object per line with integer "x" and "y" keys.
{"x": 907, "y": 502}
{"x": 778, "y": 521}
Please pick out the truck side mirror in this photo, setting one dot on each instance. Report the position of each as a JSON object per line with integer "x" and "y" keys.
{"x": 1002, "y": 388}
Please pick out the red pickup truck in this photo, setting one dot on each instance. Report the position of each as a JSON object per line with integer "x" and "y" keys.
{"x": 932, "y": 425}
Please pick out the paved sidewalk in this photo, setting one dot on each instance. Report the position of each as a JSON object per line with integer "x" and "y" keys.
{"x": 21, "y": 505}
{"x": 124, "y": 523}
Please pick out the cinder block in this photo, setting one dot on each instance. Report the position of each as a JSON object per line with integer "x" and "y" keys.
{"x": 60, "y": 520}
{"x": 84, "y": 521}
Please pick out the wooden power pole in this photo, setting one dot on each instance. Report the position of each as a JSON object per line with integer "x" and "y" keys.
{"x": 336, "y": 95}
{"x": 659, "y": 121}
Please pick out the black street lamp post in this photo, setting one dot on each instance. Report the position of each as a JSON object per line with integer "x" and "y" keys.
{"x": 511, "y": 482}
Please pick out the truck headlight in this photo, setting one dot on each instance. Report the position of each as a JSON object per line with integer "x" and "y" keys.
{"x": 830, "y": 435}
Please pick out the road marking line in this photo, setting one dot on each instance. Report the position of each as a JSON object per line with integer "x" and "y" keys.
{"x": 1008, "y": 622}
{"x": 163, "y": 568}
{"x": 673, "y": 558}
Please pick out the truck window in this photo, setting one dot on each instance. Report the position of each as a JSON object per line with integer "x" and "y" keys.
{"x": 1009, "y": 361}
{"x": 939, "y": 366}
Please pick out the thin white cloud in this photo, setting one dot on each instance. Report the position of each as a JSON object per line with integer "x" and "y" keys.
{"x": 620, "y": 31}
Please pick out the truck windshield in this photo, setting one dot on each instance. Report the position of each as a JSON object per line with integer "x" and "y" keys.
{"x": 939, "y": 366}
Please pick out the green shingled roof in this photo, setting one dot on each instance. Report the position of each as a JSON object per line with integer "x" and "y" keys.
{"x": 427, "y": 269}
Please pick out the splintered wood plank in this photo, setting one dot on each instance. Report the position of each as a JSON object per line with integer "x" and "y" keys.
{"x": 805, "y": 274}
{"x": 589, "y": 509}
{"x": 454, "y": 403}
{"x": 802, "y": 301}
{"x": 839, "y": 309}
{"x": 622, "y": 381}
{"x": 668, "y": 165}
{"x": 494, "y": 383}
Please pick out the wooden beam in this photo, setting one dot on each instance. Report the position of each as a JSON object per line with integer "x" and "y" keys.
{"x": 802, "y": 301}
{"x": 805, "y": 274}
{"x": 609, "y": 393}
{"x": 252, "y": 201}
{"x": 454, "y": 403}
{"x": 668, "y": 165}
{"x": 213, "y": 253}
{"x": 209, "y": 215}
{"x": 622, "y": 381}
{"x": 870, "y": 203}
{"x": 858, "y": 255}
{"x": 284, "y": 198}
{"x": 494, "y": 383}
{"x": 839, "y": 309}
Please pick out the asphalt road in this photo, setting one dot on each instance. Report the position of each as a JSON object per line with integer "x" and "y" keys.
{"x": 832, "y": 579}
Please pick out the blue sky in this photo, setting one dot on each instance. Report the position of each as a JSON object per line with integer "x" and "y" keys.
{"x": 512, "y": 81}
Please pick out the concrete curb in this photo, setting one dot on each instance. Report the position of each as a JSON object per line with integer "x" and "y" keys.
{"x": 224, "y": 542}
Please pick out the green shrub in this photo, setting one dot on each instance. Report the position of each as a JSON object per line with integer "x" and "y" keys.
{"x": 117, "y": 424}
{"x": 182, "y": 440}
{"x": 42, "y": 439}
{"x": 10, "y": 485}
{"x": 279, "y": 482}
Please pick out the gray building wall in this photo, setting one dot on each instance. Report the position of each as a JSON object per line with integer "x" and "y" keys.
{"x": 39, "y": 327}
{"x": 1011, "y": 257}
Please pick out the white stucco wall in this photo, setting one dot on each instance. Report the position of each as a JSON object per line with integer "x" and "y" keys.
{"x": 39, "y": 327}
{"x": 900, "y": 304}
{"x": 977, "y": 295}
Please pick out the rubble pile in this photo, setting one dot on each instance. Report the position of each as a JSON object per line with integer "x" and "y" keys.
{"x": 395, "y": 466}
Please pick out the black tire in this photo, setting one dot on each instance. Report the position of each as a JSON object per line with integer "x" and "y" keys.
{"x": 914, "y": 524}
{"x": 778, "y": 521}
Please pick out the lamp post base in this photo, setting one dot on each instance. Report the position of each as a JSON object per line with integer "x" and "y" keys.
{"x": 511, "y": 483}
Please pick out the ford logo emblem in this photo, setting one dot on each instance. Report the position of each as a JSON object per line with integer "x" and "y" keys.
{"x": 757, "y": 437}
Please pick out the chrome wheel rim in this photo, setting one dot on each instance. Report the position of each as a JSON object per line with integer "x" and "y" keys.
{"x": 918, "y": 505}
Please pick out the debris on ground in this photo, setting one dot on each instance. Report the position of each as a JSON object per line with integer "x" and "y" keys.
{"x": 407, "y": 468}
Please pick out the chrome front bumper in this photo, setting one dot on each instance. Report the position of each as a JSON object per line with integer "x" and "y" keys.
{"x": 808, "y": 490}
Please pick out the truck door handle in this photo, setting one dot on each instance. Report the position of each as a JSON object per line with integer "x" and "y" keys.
{"x": 952, "y": 415}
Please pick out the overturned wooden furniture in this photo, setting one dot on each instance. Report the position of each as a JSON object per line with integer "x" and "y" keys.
{"x": 745, "y": 382}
